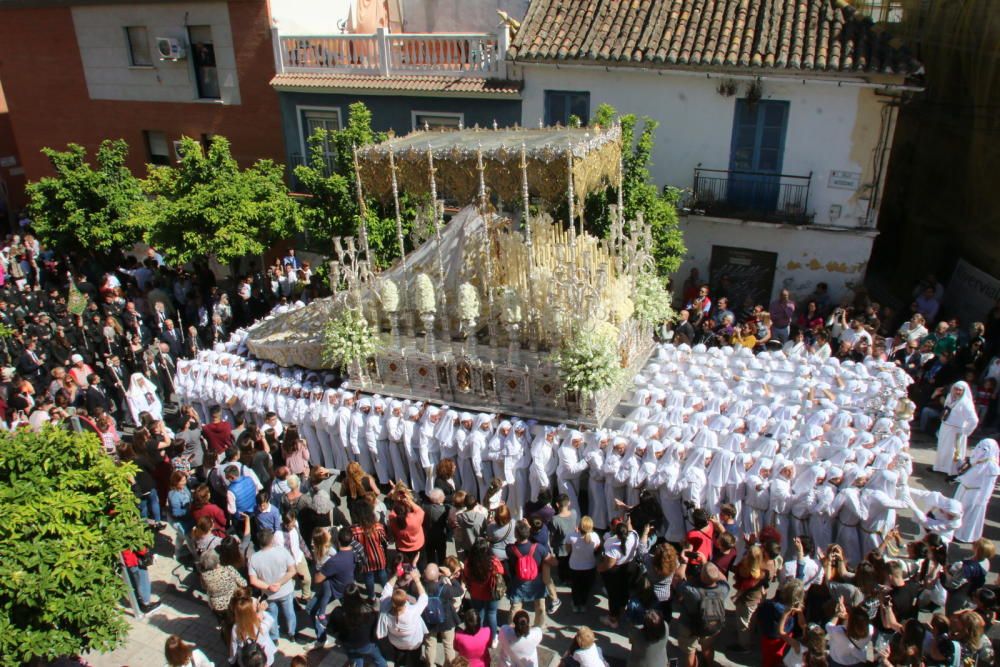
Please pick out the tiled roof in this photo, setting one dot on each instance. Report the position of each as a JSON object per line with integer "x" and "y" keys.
{"x": 450, "y": 85}
{"x": 821, "y": 36}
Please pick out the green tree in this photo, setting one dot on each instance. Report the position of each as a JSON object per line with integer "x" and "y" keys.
{"x": 207, "y": 205}
{"x": 66, "y": 513}
{"x": 83, "y": 207}
{"x": 659, "y": 210}
{"x": 332, "y": 208}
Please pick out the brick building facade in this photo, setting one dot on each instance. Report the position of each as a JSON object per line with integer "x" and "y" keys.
{"x": 84, "y": 71}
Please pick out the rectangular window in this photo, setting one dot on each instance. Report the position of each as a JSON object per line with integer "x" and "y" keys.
{"x": 320, "y": 119}
{"x": 437, "y": 120}
{"x": 563, "y": 106}
{"x": 157, "y": 149}
{"x": 203, "y": 59}
{"x": 138, "y": 46}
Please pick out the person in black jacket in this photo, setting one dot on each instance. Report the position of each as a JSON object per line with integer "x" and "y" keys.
{"x": 94, "y": 396}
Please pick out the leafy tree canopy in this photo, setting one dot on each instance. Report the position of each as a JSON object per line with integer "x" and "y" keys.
{"x": 207, "y": 205}
{"x": 60, "y": 544}
{"x": 328, "y": 177}
{"x": 86, "y": 207}
{"x": 638, "y": 193}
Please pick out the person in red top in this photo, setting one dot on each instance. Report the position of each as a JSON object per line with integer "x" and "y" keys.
{"x": 406, "y": 523}
{"x": 201, "y": 505}
{"x": 136, "y": 563}
{"x": 479, "y": 576}
{"x": 702, "y": 536}
{"x": 218, "y": 434}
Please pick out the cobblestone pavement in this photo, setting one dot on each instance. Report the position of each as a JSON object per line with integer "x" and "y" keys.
{"x": 184, "y": 614}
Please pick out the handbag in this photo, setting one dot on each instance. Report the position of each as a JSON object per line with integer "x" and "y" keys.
{"x": 498, "y": 586}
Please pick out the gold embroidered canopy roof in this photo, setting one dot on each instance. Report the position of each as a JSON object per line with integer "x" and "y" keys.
{"x": 596, "y": 157}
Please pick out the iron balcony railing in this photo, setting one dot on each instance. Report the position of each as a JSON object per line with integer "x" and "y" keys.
{"x": 752, "y": 195}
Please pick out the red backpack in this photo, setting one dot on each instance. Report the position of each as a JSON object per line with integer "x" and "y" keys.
{"x": 527, "y": 567}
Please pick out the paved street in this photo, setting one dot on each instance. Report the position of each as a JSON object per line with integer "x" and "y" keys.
{"x": 189, "y": 617}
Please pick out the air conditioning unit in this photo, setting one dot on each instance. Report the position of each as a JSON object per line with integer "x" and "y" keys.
{"x": 170, "y": 48}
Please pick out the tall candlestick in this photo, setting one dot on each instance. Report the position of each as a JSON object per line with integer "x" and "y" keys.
{"x": 438, "y": 221}
{"x": 488, "y": 264}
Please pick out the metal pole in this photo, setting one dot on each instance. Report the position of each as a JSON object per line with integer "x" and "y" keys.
{"x": 488, "y": 265}
{"x": 438, "y": 222}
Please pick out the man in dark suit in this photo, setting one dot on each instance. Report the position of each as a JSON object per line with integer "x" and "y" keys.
{"x": 30, "y": 363}
{"x": 95, "y": 396}
{"x": 115, "y": 380}
{"x": 172, "y": 336}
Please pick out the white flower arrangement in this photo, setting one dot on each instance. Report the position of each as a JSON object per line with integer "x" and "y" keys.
{"x": 621, "y": 310}
{"x": 389, "y": 293}
{"x": 468, "y": 302}
{"x": 652, "y": 300}
{"x": 348, "y": 338}
{"x": 423, "y": 294}
{"x": 511, "y": 306}
{"x": 588, "y": 362}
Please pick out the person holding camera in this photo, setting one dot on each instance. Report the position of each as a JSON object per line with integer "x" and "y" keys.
{"x": 620, "y": 549}
{"x": 400, "y": 619}
{"x": 701, "y": 590}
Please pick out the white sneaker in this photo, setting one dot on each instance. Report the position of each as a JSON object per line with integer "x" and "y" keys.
{"x": 554, "y": 605}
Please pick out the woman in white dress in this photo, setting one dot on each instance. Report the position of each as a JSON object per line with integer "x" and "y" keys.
{"x": 958, "y": 421}
{"x": 975, "y": 488}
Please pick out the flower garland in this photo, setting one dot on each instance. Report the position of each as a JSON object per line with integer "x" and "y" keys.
{"x": 512, "y": 306}
{"x": 423, "y": 294}
{"x": 652, "y": 300}
{"x": 468, "y": 302}
{"x": 588, "y": 363}
{"x": 348, "y": 338}
{"x": 389, "y": 293}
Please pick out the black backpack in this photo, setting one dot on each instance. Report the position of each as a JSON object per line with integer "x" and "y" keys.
{"x": 712, "y": 611}
{"x": 250, "y": 652}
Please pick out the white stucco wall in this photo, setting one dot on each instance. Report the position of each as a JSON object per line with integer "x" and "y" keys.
{"x": 458, "y": 15}
{"x": 807, "y": 254}
{"x": 308, "y": 17}
{"x": 100, "y": 33}
{"x": 829, "y": 127}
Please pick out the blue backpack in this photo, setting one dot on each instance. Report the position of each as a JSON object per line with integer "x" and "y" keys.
{"x": 434, "y": 612}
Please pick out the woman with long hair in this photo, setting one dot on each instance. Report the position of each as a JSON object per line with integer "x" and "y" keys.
{"x": 369, "y": 532}
{"x": 519, "y": 642}
{"x": 295, "y": 451}
{"x": 850, "y": 636}
{"x": 353, "y": 623}
{"x": 500, "y": 532}
{"x": 251, "y": 625}
{"x": 484, "y": 574}
{"x": 357, "y": 483}
{"x": 181, "y": 654}
{"x": 751, "y": 580}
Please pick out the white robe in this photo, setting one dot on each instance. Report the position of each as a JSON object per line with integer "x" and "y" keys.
{"x": 955, "y": 429}
{"x": 976, "y": 489}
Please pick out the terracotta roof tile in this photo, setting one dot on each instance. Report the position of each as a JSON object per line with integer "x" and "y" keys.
{"x": 470, "y": 86}
{"x": 826, "y": 36}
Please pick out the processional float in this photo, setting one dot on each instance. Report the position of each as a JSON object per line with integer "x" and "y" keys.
{"x": 472, "y": 317}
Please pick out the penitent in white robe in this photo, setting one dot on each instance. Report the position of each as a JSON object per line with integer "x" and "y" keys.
{"x": 959, "y": 422}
